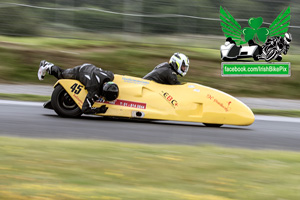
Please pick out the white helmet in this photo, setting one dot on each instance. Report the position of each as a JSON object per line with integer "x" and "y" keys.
{"x": 287, "y": 38}
{"x": 178, "y": 60}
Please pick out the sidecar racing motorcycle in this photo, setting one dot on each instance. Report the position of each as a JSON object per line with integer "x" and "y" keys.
{"x": 231, "y": 52}
{"x": 144, "y": 99}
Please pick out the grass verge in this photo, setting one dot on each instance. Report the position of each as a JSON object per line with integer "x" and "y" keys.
{"x": 286, "y": 113}
{"x": 76, "y": 169}
{"x": 20, "y": 58}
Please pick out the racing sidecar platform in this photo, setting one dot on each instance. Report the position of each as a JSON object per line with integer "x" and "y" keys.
{"x": 231, "y": 52}
{"x": 144, "y": 99}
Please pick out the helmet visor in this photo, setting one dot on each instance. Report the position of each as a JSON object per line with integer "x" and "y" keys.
{"x": 184, "y": 68}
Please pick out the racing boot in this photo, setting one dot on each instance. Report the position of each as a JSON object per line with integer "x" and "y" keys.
{"x": 44, "y": 67}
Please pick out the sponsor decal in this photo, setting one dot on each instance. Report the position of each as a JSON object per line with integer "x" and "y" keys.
{"x": 78, "y": 99}
{"x": 135, "y": 81}
{"x": 225, "y": 106}
{"x": 170, "y": 99}
{"x": 120, "y": 102}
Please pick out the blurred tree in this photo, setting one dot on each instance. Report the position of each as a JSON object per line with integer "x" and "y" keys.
{"x": 18, "y": 21}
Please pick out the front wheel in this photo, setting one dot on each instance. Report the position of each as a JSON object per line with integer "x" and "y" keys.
{"x": 272, "y": 54}
{"x": 63, "y": 104}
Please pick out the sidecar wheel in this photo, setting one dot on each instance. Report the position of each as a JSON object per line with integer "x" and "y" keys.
{"x": 63, "y": 104}
{"x": 255, "y": 57}
{"x": 212, "y": 125}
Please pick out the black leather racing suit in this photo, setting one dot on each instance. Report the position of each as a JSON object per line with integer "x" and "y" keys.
{"x": 92, "y": 78}
{"x": 163, "y": 73}
{"x": 274, "y": 42}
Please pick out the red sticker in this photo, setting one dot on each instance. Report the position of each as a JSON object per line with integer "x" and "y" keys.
{"x": 126, "y": 103}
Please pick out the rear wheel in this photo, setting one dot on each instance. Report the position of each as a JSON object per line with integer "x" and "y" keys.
{"x": 212, "y": 125}
{"x": 63, "y": 104}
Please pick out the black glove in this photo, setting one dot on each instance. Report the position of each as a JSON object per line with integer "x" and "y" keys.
{"x": 102, "y": 109}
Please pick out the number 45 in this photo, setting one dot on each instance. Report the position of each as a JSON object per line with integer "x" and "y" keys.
{"x": 76, "y": 88}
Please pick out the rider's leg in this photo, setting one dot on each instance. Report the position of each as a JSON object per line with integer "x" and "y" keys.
{"x": 50, "y": 68}
{"x": 71, "y": 73}
{"x": 56, "y": 71}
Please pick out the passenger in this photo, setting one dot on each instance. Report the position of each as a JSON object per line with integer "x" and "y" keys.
{"x": 166, "y": 73}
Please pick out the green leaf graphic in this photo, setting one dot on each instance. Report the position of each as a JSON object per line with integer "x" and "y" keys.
{"x": 255, "y": 23}
{"x": 230, "y": 27}
{"x": 262, "y": 34}
{"x": 248, "y": 33}
{"x": 251, "y": 33}
{"x": 280, "y": 25}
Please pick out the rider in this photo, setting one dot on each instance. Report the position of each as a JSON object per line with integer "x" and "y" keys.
{"x": 97, "y": 81}
{"x": 166, "y": 73}
{"x": 283, "y": 43}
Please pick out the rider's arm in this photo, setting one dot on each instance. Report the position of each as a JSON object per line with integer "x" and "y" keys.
{"x": 172, "y": 79}
{"x": 271, "y": 41}
{"x": 89, "y": 101}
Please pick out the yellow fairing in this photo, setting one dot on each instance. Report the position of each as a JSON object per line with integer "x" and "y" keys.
{"x": 140, "y": 98}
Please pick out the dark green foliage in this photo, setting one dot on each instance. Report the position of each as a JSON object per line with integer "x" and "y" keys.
{"x": 175, "y": 17}
{"x": 15, "y": 21}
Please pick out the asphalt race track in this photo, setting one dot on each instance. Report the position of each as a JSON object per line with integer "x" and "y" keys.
{"x": 25, "y": 119}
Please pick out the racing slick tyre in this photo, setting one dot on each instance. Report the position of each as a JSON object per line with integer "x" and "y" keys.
{"x": 255, "y": 57}
{"x": 212, "y": 125}
{"x": 279, "y": 58}
{"x": 272, "y": 53}
{"x": 63, "y": 104}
